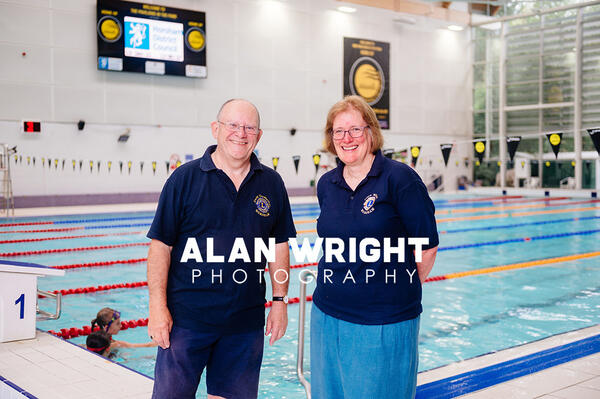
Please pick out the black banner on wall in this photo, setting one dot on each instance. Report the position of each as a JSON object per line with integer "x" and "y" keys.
{"x": 595, "y": 135}
{"x": 555, "y": 139}
{"x": 446, "y": 149}
{"x": 367, "y": 74}
{"x": 512, "y": 143}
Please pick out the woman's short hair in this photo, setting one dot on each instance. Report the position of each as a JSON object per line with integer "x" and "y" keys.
{"x": 367, "y": 113}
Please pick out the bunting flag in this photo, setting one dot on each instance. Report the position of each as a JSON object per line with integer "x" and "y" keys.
{"x": 141, "y": 166}
{"x": 275, "y": 162}
{"x": 522, "y": 164}
{"x": 91, "y": 166}
{"x": 316, "y": 161}
{"x": 296, "y": 159}
{"x": 16, "y": 158}
{"x": 121, "y": 166}
{"x": 479, "y": 151}
{"x": 20, "y": 159}
{"x": 63, "y": 163}
{"x": 49, "y": 163}
{"x": 33, "y": 161}
{"x": 74, "y": 162}
{"x": 129, "y": 167}
{"x": 56, "y": 164}
{"x": 388, "y": 153}
{"x": 595, "y": 136}
{"x": 512, "y": 143}
{"x": 43, "y": 162}
{"x": 177, "y": 164}
{"x": 415, "y": 151}
{"x": 446, "y": 149}
{"x": 456, "y": 163}
{"x": 98, "y": 164}
{"x": 154, "y": 167}
{"x": 28, "y": 160}
{"x": 167, "y": 164}
{"x": 555, "y": 139}
{"x": 80, "y": 164}
{"x": 109, "y": 166}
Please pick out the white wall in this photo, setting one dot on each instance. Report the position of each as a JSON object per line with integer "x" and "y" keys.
{"x": 285, "y": 56}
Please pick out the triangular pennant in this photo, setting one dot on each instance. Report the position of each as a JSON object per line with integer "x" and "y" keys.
{"x": 28, "y": 160}
{"x": 415, "y": 151}
{"x": 479, "y": 150}
{"x": 49, "y": 163}
{"x": 555, "y": 139}
{"x": 446, "y": 149}
{"x": 43, "y": 162}
{"x": 316, "y": 161}
{"x": 109, "y": 166}
{"x": 275, "y": 162}
{"x": 16, "y": 158}
{"x": 129, "y": 167}
{"x": 56, "y": 164}
{"x": 98, "y": 164}
{"x": 33, "y": 161}
{"x": 296, "y": 159}
{"x": 154, "y": 167}
{"x": 63, "y": 163}
{"x": 91, "y": 166}
{"x": 167, "y": 164}
{"x": 80, "y": 165}
{"x": 512, "y": 142}
{"x": 74, "y": 162}
{"x": 121, "y": 166}
{"x": 595, "y": 136}
{"x": 177, "y": 164}
{"x": 141, "y": 166}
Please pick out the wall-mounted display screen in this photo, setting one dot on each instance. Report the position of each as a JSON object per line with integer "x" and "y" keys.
{"x": 150, "y": 38}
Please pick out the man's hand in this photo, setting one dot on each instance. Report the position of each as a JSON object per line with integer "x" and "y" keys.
{"x": 277, "y": 321}
{"x": 159, "y": 326}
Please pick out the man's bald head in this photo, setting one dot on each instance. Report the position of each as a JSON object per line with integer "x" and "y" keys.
{"x": 233, "y": 100}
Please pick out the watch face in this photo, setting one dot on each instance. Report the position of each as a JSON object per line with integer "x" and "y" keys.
{"x": 286, "y": 299}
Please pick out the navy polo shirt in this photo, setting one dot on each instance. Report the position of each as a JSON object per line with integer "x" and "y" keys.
{"x": 391, "y": 202}
{"x": 200, "y": 201}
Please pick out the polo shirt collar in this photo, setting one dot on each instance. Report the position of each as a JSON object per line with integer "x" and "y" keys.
{"x": 375, "y": 171}
{"x": 207, "y": 164}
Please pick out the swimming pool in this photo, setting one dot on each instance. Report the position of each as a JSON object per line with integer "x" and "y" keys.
{"x": 465, "y": 315}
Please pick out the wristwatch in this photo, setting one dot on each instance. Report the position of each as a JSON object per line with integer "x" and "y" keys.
{"x": 283, "y": 299}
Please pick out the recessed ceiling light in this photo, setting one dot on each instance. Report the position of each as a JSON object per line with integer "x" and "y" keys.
{"x": 346, "y": 9}
{"x": 455, "y": 28}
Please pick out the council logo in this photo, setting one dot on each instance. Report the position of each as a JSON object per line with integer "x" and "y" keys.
{"x": 368, "y": 204}
{"x": 109, "y": 29}
{"x": 195, "y": 40}
{"x": 262, "y": 205}
{"x": 367, "y": 79}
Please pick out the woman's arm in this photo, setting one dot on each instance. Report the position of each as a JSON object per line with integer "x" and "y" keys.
{"x": 424, "y": 267}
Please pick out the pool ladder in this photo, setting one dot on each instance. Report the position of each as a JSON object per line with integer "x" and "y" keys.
{"x": 42, "y": 314}
{"x": 306, "y": 277}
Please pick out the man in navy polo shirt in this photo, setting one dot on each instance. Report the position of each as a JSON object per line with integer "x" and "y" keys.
{"x": 207, "y": 292}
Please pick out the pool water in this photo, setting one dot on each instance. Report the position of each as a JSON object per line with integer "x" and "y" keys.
{"x": 463, "y": 317}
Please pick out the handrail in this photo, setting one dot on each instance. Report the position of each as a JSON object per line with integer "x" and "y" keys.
{"x": 304, "y": 280}
{"x": 43, "y": 315}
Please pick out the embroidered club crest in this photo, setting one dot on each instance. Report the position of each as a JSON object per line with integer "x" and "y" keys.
{"x": 368, "y": 204}
{"x": 262, "y": 205}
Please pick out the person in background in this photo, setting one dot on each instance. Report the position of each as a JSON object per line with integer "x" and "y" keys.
{"x": 364, "y": 332}
{"x": 101, "y": 342}
{"x": 109, "y": 322}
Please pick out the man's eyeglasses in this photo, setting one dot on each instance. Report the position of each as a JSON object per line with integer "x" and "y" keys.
{"x": 234, "y": 127}
{"x": 354, "y": 131}
{"x": 116, "y": 316}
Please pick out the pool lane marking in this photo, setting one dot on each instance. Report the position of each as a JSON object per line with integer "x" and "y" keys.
{"x": 516, "y": 214}
{"x": 512, "y": 207}
{"x": 495, "y": 374}
{"x": 514, "y": 266}
{"x": 68, "y": 237}
{"x": 449, "y": 248}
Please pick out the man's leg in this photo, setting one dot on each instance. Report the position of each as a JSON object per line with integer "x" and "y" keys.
{"x": 233, "y": 368}
{"x": 179, "y": 368}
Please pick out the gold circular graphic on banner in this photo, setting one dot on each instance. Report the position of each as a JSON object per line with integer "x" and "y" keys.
{"x": 479, "y": 147}
{"x": 547, "y": 163}
{"x": 195, "y": 40}
{"x": 414, "y": 151}
{"x": 109, "y": 29}
{"x": 367, "y": 79}
{"x": 554, "y": 139}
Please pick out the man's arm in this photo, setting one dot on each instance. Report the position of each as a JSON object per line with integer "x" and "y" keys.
{"x": 424, "y": 267}
{"x": 160, "y": 321}
{"x": 277, "y": 320}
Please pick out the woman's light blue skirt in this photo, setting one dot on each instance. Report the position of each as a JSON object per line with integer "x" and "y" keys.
{"x": 359, "y": 361}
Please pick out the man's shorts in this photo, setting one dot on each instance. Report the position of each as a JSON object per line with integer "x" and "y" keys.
{"x": 232, "y": 364}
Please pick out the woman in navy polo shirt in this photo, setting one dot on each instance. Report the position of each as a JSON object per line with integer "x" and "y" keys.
{"x": 365, "y": 318}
